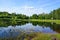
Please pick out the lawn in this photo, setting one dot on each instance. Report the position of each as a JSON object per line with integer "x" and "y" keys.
{"x": 54, "y": 21}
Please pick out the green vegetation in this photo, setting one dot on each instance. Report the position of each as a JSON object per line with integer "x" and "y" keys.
{"x": 5, "y": 16}
{"x": 53, "y": 21}
{"x": 53, "y": 15}
{"x": 35, "y": 36}
{"x": 41, "y": 36}
{"x": 55, "y": 27}
{"x": 7, "y": 19}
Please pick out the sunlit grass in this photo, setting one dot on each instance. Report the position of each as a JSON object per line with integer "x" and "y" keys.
{"x": 35, "y": 36}
{"x": 41, "y": 36}
{"x": 55, "y": 21}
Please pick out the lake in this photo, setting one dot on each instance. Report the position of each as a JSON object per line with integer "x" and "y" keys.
{"x": 11, "y": 30}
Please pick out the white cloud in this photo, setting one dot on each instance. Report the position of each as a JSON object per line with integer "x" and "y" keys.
{"x": 27, "y": 10}
{"x": 11, "y": 6}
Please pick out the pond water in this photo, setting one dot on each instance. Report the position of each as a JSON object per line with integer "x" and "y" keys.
{"x": 7, "y": 31}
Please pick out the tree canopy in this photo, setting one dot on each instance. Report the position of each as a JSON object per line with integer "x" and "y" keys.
{"x": 55, "y": 14}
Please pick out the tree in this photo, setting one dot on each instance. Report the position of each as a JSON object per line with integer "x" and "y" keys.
{"x": 55, "y": 13}
{"x": 34, "y": 16}
{"x": 41, "y": 16}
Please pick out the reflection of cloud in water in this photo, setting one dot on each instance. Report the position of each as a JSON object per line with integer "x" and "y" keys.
{"x": 11, "y": 31}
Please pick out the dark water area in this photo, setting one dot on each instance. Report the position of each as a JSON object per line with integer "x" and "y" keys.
{"x": 15, "y": 29}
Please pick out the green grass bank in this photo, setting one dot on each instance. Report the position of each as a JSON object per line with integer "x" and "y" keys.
{"x": 54, "y": 21}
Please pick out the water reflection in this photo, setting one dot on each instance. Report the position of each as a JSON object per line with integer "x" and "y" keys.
{"x": 13, "y": 30}
{"x": 8, "y": 23}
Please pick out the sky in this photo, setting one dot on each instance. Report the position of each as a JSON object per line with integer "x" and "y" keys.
{"x": 29, "y": 7}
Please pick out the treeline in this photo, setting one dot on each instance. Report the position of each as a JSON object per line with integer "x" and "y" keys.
{"x": 55, "y": 14}
{"x": 12, "y": 16}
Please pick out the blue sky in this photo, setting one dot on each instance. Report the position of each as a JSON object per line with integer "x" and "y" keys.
{"x": 29, "y": 7}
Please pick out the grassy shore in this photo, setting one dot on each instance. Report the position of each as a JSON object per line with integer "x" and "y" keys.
{"x": 41, "y": 36}
{"x": 54, "y": 21}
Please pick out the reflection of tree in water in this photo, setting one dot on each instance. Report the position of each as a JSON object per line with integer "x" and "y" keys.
{"x": 9, "y": 23}
{"x": 4, "y": 23}
{"x": 56, "y": 27}
{"x": 46, "y": 24}
{"x": 53, "y": 26}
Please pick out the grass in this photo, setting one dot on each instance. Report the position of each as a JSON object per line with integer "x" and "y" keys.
{"x": 41, "y": 36}
{"x": 54, "y": 21}
{"x": 36, "y": 36}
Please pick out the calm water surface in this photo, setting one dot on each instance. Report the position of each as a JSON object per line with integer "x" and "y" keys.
{"x": 31, "y": 27}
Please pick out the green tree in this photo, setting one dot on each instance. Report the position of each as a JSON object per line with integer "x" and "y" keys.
{"x": 34, "y": 16}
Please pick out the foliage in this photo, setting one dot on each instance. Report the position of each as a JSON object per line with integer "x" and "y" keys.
{"x": 55, "y": 14}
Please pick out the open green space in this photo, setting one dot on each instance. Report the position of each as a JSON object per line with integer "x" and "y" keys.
{"x": 52, "y": 21}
